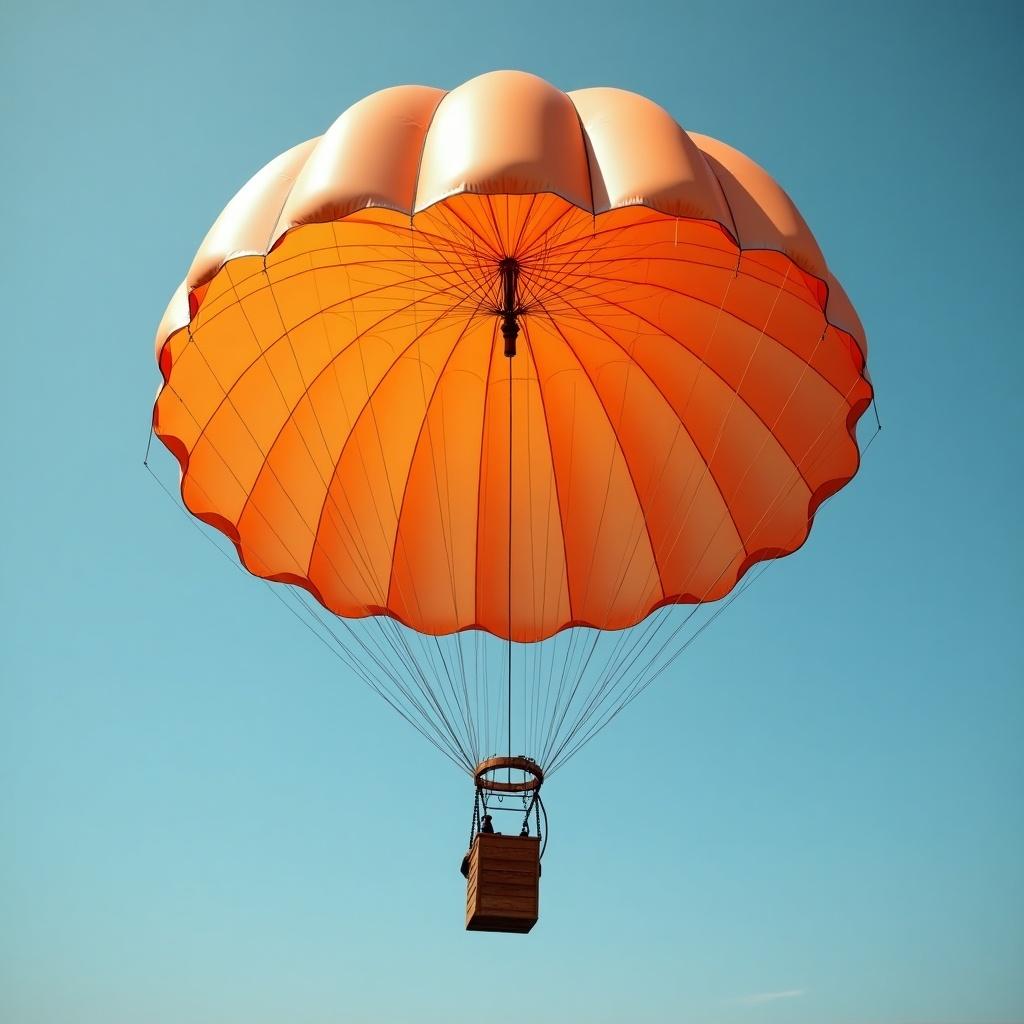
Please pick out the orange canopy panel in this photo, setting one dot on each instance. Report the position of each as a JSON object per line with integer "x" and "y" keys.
{"x": 683, "y": 397}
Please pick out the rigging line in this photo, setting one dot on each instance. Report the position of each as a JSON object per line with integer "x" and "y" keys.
{"x": 493, "y": 704}
{"x": 640, "y": 683}
{"x": 483, "y": 470}
{"x": 427, "y": 659}
{"x": 446, "y": 211}
{"x": 679, "y": 426}
{"x": 414, "y": 664}
{"x": 638, "y": 538}
{"x": 706, "y": 461}
{"x": 662, "y": 474}
{"x": 550, "y": 225}
{"x": 234, "y": 563}
{"x": 371, "y": 392}
{"x": 448, "y": 672}
{"x": 333, "y": 512}
{"x": 577, "y": 662}
{"x": 572, "y": 646}
{"x": 399, "y": 637}
{"x": 298, "y": 368}
{"x": 478, "y": 706}
{"x": 871, "y": 441}
{"x": 361, "y": 673}
{"x": 585, "y": 661}
{"x": 624, "y": 250}
{"x": 562, "y": 515}
{"x": 428, "y": 403}
{"x": 638, "y": 515}
{"x": 487, "y": 690}
{"x": 537, "y": 650}
{"x": 194, "y": 483}
{"x": 438, "y": 231}
{"x": 328, "y": 500}
{"x": 511, "y": 367}
{"x": 604, "y": 298}
{"x": 459, "y": 250}
{"x": 499, "y": 238}
{"x": 384, "y": 665}
{"x": 630, "y": 691}
{"x": 255, "y": 507}
{"x": 449, "y": 541}
{"x": 288, "y": 418}
{"x": 583, "y": 652}
{"x": 583, "y": 239}
{"x": 517, "y": 246}
{"x": 444, "y": 243}
{"x": 531, "y": 362}
{"x": 456, "y": 244}
{"x": 769, "y": 434}
{"x": 530, "y": 662}
{"x": 378, "y": 262}
{"x": 733, "y": 388}
{"x": 195, "y": 327}
{"x": 463, "y": 678}
{"x": 384, "y": 662}
{"x": 472, "y": 221}
{"x": 411, "y": 660}
{"x": 558, "y": 661}
{"x": 461, "y": 641}
{"x": 603, "y": 693}
{"x": 624, "y": 253}
{"x": 343, "y": 653}
{"x": 753, "y": 462}
{"x": 469, "y": 275}
{"x": 615, "y": 446}
{"x": 559, "y": 649}
{"x": 642, "y": 680}
{"x": 336, "y": 517}
{"x": 551, "y": 284}
{"x": 558, "y": 221}
{"x": 583, "y": 263}
{"x": 571, "y": 671}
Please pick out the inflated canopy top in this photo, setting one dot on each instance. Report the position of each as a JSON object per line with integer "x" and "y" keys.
{"x": 683, "y": 397}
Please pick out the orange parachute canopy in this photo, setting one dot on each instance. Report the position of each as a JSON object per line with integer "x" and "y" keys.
{"x": 687, "y": 377}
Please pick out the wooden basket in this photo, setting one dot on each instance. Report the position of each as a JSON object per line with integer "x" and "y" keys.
{"x": 503, "y": 885}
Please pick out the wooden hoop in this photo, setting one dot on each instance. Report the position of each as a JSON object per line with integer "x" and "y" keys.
{"x": 522, "y": 764}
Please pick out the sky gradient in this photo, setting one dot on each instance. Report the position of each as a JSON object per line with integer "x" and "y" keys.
{"x": 816, "y": 820}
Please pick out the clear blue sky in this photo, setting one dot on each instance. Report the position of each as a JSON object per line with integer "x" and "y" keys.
{"x": 817, "y": 821}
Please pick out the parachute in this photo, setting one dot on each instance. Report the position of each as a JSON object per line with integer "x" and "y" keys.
{"x": 508, "y": 385}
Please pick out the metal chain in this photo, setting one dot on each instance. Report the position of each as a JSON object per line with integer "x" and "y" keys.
{"x": 474, "y": 828}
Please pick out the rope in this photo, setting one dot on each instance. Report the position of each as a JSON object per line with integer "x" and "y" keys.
{"x": 510, "y": 510}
